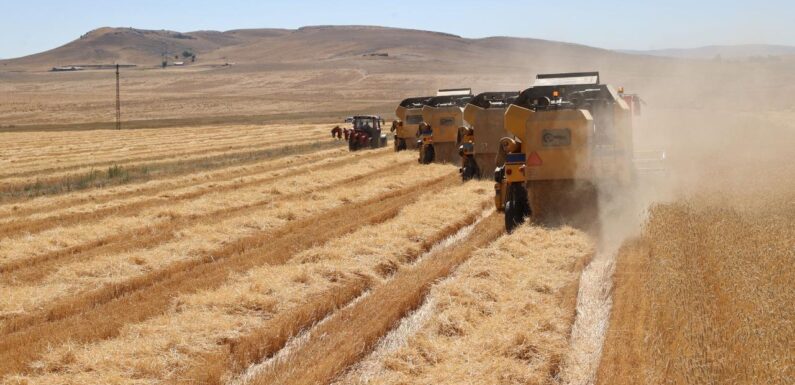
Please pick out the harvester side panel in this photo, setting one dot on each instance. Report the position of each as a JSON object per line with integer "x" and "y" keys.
{"x": 489, "y": 128}
{"x": 411, "y": 118}
{"x": 560, "y": 140}
{"x": 444, "y": 122}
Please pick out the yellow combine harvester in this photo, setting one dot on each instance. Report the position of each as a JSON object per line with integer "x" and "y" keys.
{"x": 572, "y": 140}
{"x": 442, "y": 116}
{"x": 479, "y": 144}
{"x": 409, "y": 114}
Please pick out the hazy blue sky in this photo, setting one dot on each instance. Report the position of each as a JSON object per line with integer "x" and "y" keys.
{"x": 32, "y": 26}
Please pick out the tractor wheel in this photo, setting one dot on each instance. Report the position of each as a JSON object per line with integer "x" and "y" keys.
{"x": 470, "y": 169}
{"x": 352, "y": 144}
{"x": 517, "y": 207}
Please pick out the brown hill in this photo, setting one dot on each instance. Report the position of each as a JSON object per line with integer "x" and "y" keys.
{"x": 307, "y": 44}
{"x": 337, "y": 70}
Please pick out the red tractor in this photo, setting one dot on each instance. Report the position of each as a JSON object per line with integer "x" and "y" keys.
{"x": 365, "y": 132}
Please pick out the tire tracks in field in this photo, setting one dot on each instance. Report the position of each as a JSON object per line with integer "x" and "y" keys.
{"x": 100, "y": 314}
{"x": 235, "y": 355}
{"x": 30, "y": 270}
{"x": 349, "y": 334}
{"x": 13, "y": 228}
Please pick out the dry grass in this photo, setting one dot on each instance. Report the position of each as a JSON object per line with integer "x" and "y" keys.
{"x": 208, "y": 236}
{"x": 86, "y": 200}
{"x": 297, "y": 291}
{"x": 352, "y": 332}
{"x": 102, "y": 314}
{"x": 74, "y": 151}
{"x": 504, "y": 317}
{"x": 105, "y": 221}
{"x": 197, "y": 225}
{"x": 705, "y": 295}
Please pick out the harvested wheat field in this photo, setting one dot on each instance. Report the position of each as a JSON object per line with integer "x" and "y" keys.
{"x": 254, "y": 250}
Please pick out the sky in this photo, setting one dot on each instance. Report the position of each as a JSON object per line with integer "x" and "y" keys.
{"x": 33, "y": 26}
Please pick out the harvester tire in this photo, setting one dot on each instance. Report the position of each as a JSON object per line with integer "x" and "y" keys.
{"x": 470, "y": 169}
{"x": 517, "y": 208}
{"x": 400, "y": 144}
{"x": 427, "y": 155}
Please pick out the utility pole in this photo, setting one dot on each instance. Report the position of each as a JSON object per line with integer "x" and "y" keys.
{"x": 118, "y": 100}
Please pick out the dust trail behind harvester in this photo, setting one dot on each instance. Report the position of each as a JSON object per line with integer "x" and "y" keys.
{"x": 619, "y": 219}
{"x": 720, "y": 134}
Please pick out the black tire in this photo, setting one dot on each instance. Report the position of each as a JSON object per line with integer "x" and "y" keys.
{"x": 517, "y": 207}
{"x": 428, "y": 154}
{"x": 470, "y": 169}
{"x": 352, "y": 145}
{"x": 400, "y": 144}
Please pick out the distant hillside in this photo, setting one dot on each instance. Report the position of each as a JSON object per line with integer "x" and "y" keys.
{"x": 307, "y": 44}
{"x": 722, "y": 51}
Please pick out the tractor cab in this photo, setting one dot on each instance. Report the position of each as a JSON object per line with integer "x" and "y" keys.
{"x": 365, "y": 132}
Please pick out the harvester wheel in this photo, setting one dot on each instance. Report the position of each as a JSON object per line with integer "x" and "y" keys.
{"x": 427, "y": 155}
{"x": 400, "y": 144}
{"x": 517, "y": 208}
{"x": 470, "y": 169}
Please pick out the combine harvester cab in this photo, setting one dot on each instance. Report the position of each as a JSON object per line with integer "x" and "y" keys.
{"x": 572, "y": 140}
{"x": 365, "y": 132}
{"x": 478, "y": 145}
{"x": 442, "y": 116}
{"x": 409, "y": 114}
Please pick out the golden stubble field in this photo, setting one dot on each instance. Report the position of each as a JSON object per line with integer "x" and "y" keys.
{"x": 266, "y": 254}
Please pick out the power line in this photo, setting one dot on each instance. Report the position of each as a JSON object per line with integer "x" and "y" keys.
{"x": 118, "y": 100}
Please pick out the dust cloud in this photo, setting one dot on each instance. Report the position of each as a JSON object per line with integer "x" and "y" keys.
{"x": 727, "y": 132}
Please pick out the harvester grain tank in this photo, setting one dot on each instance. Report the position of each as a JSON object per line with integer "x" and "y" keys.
{"x": 572, "y": 140}
{"x": 409, "y": 114}
{"x": 365, "y": 132}
{"x": 480, "y": 142}
{"x": 442, "y": 116}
